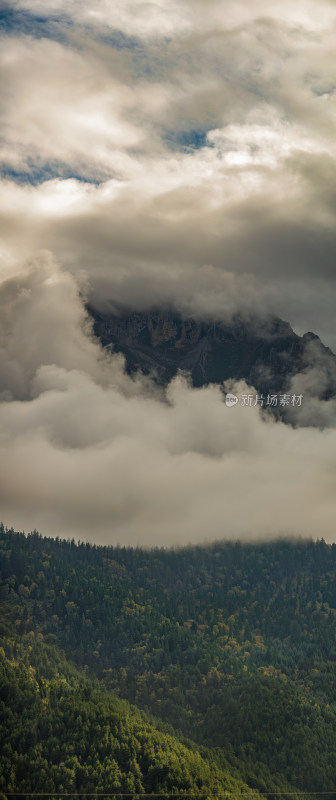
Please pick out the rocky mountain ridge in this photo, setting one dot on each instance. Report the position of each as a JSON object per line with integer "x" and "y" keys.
{"x": 267, "y": 353}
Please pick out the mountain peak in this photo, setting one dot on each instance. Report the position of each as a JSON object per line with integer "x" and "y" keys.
{"x": 266, "y": 353}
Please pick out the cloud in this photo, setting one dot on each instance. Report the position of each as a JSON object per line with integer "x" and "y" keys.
{"x": 245, "y": 216}
{"x": 317, "y": 383}
{"x": 156, "y": 18}
{"x": 72, "y": 116}
{"x": 86, "y": 451}
{"x": 175, "y": 154}
{"x": 42, "y": 321}
{"x": 141, "y": 18}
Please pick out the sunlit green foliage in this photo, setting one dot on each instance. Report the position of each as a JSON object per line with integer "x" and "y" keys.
{"x": 231, "y": 646}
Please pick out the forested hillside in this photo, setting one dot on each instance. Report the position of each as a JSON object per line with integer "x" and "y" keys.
{"x": 64, "y": 734}
{"x": 227, "y": 651}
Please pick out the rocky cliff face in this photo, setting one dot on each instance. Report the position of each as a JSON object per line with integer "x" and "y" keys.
{"x": 266, "y": 354}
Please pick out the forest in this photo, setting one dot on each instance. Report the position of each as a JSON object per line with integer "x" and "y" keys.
{"x": 205, "y": 670}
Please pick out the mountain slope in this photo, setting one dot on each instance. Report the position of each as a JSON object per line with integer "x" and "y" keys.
{"x": 63, "y": 734}
{"x": 232, "y": 646}
{"x": 267, "y": 354}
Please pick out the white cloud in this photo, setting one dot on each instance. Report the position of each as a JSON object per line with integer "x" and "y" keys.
{"x": 60, "y": 106}
{"x": 90, "y": 453}
{"x": 257, "y": 205}
{"x": 148, "y": 18}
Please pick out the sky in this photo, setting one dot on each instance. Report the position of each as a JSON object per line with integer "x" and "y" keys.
{"x": 163, "y": 154}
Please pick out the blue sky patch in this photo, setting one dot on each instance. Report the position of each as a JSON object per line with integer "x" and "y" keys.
{"x": 16, "y": 22}
{"x": 192, "y": 139}
{"x": 36, "y": 174}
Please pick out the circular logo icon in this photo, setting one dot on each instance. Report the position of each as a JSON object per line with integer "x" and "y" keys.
{"x": 231, "y": 400}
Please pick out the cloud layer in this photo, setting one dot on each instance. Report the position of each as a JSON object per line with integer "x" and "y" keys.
{"x": 87, "y": 451}
{"x": 162, "y": 153}
{"x": 150, "y": 142}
